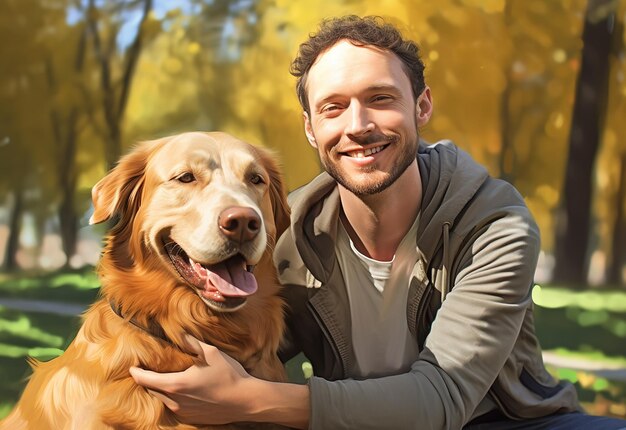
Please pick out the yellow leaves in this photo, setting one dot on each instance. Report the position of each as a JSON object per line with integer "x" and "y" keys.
{"x": 172, "y": 65}
{"x": 488, "y": 6}
{"x": 559, "y": 56}
{"x": 558, "y": 120}
{"x": 193, "y": 48}
{"x": 450, "y": 79}
{"x": 585, "y": 379}
{"x": 173, "y": 14}
{"x": 440, "y": 123}
{"x": 151, "y": 26}
{"x": 382, "y": 8}
{"x": 456, "y": 16}
{"x": 477, "y": 52}
{"x": 432, "y": 38}
{"x": 554, "y": 125}
{"x": 610, "y": 138}
{"x": 618, "y": 409}
{"x": 548, "y": 194}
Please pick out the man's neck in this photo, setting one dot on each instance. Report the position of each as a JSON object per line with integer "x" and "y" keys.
{"x": 378, "y": 223}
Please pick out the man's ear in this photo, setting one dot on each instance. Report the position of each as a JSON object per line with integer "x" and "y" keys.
{"x": 424, "y": 107}
{"x": 308, "y": 130}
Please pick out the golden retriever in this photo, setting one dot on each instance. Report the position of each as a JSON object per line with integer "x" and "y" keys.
{"x": 193, "y": 215}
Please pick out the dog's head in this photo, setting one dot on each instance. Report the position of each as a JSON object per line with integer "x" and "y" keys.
{"x": 206, "y": 206}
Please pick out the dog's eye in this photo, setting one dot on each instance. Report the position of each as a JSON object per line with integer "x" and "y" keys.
{"x": 186, "y": 178}
{"x": 257, "y": 179}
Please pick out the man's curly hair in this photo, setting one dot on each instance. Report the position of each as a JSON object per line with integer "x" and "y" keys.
{"x": 360, "y": 31}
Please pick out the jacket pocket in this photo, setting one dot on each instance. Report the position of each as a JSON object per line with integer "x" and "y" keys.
{"x": 543, "y": 391}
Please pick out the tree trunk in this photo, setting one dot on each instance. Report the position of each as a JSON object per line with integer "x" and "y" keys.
{"x": 506, "y": 159}
{"x": 69, "y": 226}
{"x": 115, "y": 94}
{"x": 616, "y": 262}
{"x": 68, "y": 180}
{"x": 15, "y": 228}
{"x": 65, "y": 130}
{"x": 573, "y": 220}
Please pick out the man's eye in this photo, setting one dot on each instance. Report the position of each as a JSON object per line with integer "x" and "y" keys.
{"x": 380, "y": 98}
{"x": 257, "y": 179}
{"x": 186, "y": 178}
{"x": 330, "y": 108}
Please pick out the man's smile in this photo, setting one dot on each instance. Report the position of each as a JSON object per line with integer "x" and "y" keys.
{"x": 361, "y": 152}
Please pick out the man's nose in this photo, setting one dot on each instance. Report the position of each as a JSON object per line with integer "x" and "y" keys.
{"x": 359, "y": 122}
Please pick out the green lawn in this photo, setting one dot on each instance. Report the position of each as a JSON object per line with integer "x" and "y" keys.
{"x": 586, "y": 326}
{"x": 582, "y": 327}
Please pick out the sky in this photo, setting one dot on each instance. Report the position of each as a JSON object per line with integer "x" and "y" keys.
{"x": 129, "y": 26}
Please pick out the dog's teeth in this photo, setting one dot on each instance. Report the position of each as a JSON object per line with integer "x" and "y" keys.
{"x": 250, "y": 268}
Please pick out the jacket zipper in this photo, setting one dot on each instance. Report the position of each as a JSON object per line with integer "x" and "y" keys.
{"x": 419, "y": 318}
{"x": 328, "y": 337}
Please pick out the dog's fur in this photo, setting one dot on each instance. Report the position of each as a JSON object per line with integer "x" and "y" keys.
{"x": 153, "y": 204}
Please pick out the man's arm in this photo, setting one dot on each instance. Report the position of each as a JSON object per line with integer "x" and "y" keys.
{"x": 470, "y": 340}
{"x": 217, "y": 390}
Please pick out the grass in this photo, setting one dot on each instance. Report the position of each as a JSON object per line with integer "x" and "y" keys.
{"x": 582, "y": 325}
{"x": 78, "y": 286}
{"x": 591, "y": 326}
{"x": 25, "y": 334}
{"x": 38, "y": 335}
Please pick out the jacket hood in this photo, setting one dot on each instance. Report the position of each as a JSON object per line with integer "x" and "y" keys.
{"x": 450, "y": 179}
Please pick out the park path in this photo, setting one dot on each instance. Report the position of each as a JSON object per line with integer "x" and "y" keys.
{"x": 607, "y": 370}
{"x": 44, "y": 306}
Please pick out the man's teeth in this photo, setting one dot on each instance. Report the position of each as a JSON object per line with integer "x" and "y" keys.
{"x": 366, "y": 153}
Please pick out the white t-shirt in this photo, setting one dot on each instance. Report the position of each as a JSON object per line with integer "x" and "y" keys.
{"x": 378, "y": 291}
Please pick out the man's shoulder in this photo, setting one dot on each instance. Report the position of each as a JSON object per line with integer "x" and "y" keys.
{"x": 321, "y": 182}
{"x": 446, "y": 145}
{"x": 492, "y": 188}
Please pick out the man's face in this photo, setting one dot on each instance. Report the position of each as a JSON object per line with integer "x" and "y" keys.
{"x": 363, "y": 118}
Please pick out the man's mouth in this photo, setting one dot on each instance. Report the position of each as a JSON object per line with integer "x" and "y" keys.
{"x": 224, "y": 286}
{"x": 365, "y": 152}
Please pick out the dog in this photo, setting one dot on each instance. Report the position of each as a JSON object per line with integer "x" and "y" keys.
{"x": 195, "y": 217}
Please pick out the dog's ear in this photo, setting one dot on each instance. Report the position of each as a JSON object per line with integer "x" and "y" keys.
{"x": 278, "y": 195}
{"x": 119, "y": 192}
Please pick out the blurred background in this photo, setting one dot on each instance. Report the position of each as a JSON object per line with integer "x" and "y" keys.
{"x": 533, "y": 89}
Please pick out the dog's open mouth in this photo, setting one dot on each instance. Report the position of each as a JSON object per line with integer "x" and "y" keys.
{"x": 224, "y": 286}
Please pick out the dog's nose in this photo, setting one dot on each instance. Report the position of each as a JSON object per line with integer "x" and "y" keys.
{"x": 239, "y": 224}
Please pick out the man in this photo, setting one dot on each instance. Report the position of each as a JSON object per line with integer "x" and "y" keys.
{"x": 407, "y": 269}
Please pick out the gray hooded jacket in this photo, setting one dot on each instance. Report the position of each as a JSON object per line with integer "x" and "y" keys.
{"x": 469, "y": 306}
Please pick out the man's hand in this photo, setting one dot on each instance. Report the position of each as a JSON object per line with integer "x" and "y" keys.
{"x": 209, "y": 392}
{"x": 217, "y": 390}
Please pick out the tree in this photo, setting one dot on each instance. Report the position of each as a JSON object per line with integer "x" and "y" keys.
{"x": 616, "y": 262}
{"x": 24, "y": 148}
{"x": 84, "y": 98}
{"x": 15, "y": 227}
{"x": 574, "y": 217}
{"x": 65, "y": 117}
{"x": 115, "y": 87}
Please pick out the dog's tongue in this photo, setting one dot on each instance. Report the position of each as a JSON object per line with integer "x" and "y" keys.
{"x": 231, "y": 279}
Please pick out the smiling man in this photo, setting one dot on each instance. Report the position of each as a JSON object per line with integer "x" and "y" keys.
{"x": 407, "y": 270}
